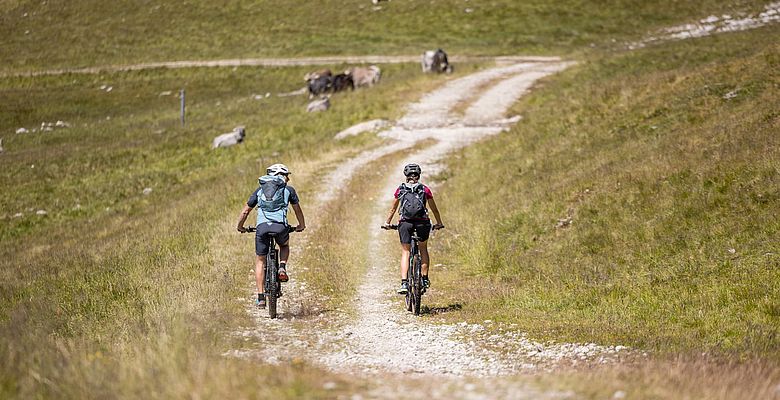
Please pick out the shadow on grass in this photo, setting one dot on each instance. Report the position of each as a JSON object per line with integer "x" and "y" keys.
{"x": 441, "y": 310}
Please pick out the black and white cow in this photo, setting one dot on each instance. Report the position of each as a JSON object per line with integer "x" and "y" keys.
{"x": 436, "y": 61}
{"x": 343, "y": 82}
{"x": 318, "y": 85}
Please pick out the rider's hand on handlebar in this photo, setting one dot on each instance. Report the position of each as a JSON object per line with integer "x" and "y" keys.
{"x": 385, "y": 226}
{"x": 300, "y": 228}
{"x": 241, "y": 229}
{"x": 438, "y": 226}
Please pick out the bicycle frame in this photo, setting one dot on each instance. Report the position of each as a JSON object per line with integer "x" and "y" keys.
{"x": 413, "y": 275}
{"x": 273, "y": 287}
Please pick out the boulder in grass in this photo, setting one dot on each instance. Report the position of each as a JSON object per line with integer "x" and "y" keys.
{"x": 322, "y": 104}
{"x": 368, "y": 126}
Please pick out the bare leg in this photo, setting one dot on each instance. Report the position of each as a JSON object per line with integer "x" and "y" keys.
{"x": 405, "y": 250}
{"x": 425, "y": 258}
{"x": 260, "y": 273}
{"x": 284, "y": 252}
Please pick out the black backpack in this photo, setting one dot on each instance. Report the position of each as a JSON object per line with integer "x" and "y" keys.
{"x": 412, "y": 199}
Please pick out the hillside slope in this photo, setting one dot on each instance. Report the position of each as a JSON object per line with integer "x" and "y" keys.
{"x": 637, "y": 201}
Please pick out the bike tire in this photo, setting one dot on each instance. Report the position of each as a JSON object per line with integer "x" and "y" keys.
{"x": 416, "y": 288}
{"x": 271, "y": 271}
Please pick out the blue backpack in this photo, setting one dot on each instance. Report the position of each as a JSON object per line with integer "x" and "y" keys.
{"x": 272, "y": 198}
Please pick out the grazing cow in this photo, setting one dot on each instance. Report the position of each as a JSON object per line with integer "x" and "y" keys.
{"x": 319, "y": 85}
{"x": 365, "y": 76}
{"x": 229, "y": 139}
{"x": 322, "y": 104}
{"x": 436, "y": 61}
{"x": 316, "y": 74}
{"x": 343, "y": 82}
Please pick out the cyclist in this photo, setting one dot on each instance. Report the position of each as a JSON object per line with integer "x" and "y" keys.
{"x": 413, "y": 198}
{"x": 272, "y": 198}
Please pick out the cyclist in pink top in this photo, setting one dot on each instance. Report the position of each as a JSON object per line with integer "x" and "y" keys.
{"x": 413, "y": 198}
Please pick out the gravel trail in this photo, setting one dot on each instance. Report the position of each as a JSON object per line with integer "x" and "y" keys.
{"x": 268, "y": 62}
{"x": 370, "y": 343}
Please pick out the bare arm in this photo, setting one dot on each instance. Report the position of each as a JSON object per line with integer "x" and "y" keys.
{"x": 242, "y": 218}
{"x": 392, "y": 211}
{"x": 299, "y": 217}
{"x": 435, "y": 210}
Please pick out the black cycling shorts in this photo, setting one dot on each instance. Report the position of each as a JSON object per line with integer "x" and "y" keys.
{"x": 422, "y": 228}
{"x": 263, "y": 241}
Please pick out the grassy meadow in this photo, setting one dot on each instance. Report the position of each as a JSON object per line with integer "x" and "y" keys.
{"x": 659, "y": 165}
{"x": 114, "y": 285}
{"x": 636, "y": 203}
{"x": 123, "y": 32}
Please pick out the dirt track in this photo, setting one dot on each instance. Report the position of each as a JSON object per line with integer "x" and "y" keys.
{"x": 267, "y": 62}
{"x": 367, "y": 344}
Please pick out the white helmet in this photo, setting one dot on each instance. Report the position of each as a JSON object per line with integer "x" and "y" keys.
{"x": 278, "y": 169}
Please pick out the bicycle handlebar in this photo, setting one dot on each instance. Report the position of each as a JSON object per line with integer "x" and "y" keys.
{"x": 290, "y": 228}
{"x": 394, "y": 227}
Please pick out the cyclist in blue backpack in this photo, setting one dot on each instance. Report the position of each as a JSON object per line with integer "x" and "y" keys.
{"x": 413, "y": 198}
{"x": 272, "y": 198}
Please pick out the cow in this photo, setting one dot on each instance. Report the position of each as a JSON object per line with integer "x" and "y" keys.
{"x": 316, "y": 74}
{"x": 342, "y": 82}
{"x": 322, "y": 104}
{"x": 365, "y": 76}
{"x": 436, "y": 61}
{"x": 229, "y": 139}
{"x": 319, "y": 85}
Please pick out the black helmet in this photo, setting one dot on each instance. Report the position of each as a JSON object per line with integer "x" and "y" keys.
{"x": 412, "y": 169}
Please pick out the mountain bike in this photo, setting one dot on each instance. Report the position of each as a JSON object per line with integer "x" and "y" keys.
{"x": 414, "y": 274}
{"x": 273, "y": 287}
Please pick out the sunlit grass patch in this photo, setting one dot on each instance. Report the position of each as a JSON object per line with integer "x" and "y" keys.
{"x": 134, "y": 282}
{"x": 637, "y": 203}
{"x": 89, "y": 32}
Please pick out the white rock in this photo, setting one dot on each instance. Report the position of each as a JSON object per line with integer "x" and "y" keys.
{"x": 22, "y": 130}
{"x": 166, "y": 93}
{"x": 319, "y": 105}
{"x": 18, "y": 215}
{"x": 619, "y": 395}
{"x": 41, "y": 212}
{"x": 329, "y": 385}
{"x": 147, "y": 191}
{"x": 62, "y": 124}
{"x": 367, "y": 126}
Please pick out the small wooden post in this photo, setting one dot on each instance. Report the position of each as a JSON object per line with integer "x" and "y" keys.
{"x": 181, "y": 94}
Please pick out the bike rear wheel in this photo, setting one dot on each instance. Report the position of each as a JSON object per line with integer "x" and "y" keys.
{"x": 416, "y": 286}
{"x": 272, "y": 285}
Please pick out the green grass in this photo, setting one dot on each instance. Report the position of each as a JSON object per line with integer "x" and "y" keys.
{"x": 673, "y": 193}
{"x": 61, "y": 33}
{"x": 119, "y": 294}
{"x": 126, "y": 293}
